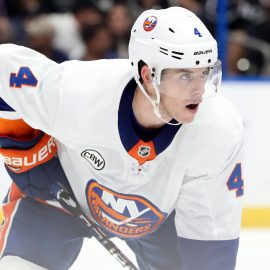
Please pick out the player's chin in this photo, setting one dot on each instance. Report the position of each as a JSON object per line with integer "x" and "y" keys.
{"x": 185, "y": 118}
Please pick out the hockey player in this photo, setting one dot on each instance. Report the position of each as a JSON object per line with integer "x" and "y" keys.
{"x": 149, "y": 149}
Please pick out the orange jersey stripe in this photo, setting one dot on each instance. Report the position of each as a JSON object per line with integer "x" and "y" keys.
{"x": 17, "y": 129}
{"x": 9, "y": 211}
{"x": 15, "y": 193}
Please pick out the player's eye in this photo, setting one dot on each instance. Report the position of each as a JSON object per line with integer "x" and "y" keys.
{"x": 186, "y": 76}
{"x": 205, "y": 73}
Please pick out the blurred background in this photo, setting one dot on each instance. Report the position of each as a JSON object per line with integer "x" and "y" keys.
{"x": 89, "y": 30}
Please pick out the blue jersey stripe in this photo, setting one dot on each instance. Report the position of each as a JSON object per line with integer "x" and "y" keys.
{"x": 5, "y": 107}
{"x": 11, "y": 143}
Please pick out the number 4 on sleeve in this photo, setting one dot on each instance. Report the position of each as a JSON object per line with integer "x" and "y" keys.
{"x": 235, "y": 181}
{"x": 24, "y": 77}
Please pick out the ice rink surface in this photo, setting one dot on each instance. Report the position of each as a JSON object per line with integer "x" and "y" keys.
{"x": 254, "y": 253}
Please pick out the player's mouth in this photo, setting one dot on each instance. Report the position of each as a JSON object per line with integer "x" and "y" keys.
{"x": 193, "y": 107}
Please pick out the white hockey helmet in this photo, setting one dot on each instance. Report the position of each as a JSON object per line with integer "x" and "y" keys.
{"x": 170, "y": 38}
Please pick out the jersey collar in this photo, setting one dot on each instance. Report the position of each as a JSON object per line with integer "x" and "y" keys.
{"x": 134, "y": 145}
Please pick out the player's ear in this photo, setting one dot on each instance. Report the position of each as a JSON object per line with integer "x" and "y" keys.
{"x": 146, "y": 75}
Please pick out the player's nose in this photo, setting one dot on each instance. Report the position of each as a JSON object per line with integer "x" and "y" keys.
{"x": 198, "y": 87}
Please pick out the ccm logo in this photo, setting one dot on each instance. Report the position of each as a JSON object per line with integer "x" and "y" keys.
{"x": 94, "y": 158}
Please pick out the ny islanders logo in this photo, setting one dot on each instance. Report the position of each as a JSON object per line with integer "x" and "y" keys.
{"x": 150, "y": 23}
{"x": 128, "y": 216}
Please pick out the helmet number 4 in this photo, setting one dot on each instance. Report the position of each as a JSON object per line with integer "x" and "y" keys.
{"x": 197, "y": 33}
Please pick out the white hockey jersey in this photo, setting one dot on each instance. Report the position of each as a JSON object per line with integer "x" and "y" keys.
{"x": 127, "y": 185}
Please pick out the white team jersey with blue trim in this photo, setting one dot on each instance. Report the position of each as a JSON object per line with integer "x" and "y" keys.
{"x": 198, "y": 174}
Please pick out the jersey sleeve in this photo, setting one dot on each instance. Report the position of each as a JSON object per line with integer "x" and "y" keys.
{"x": 209, "y": 207}
{"x": 29, "y": 84}
{"x": 208, "y": 214}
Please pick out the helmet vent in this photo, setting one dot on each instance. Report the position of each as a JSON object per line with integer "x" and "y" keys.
{"x": 174, "y": 54}
{"x": 179, "y": 53}
{"x": 171, "y": 30}
{"x": 163, "y": 50}
{"x": 176, "y": 57}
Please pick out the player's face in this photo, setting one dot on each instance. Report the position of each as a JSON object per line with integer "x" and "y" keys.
{"x": 181, "y": 92}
